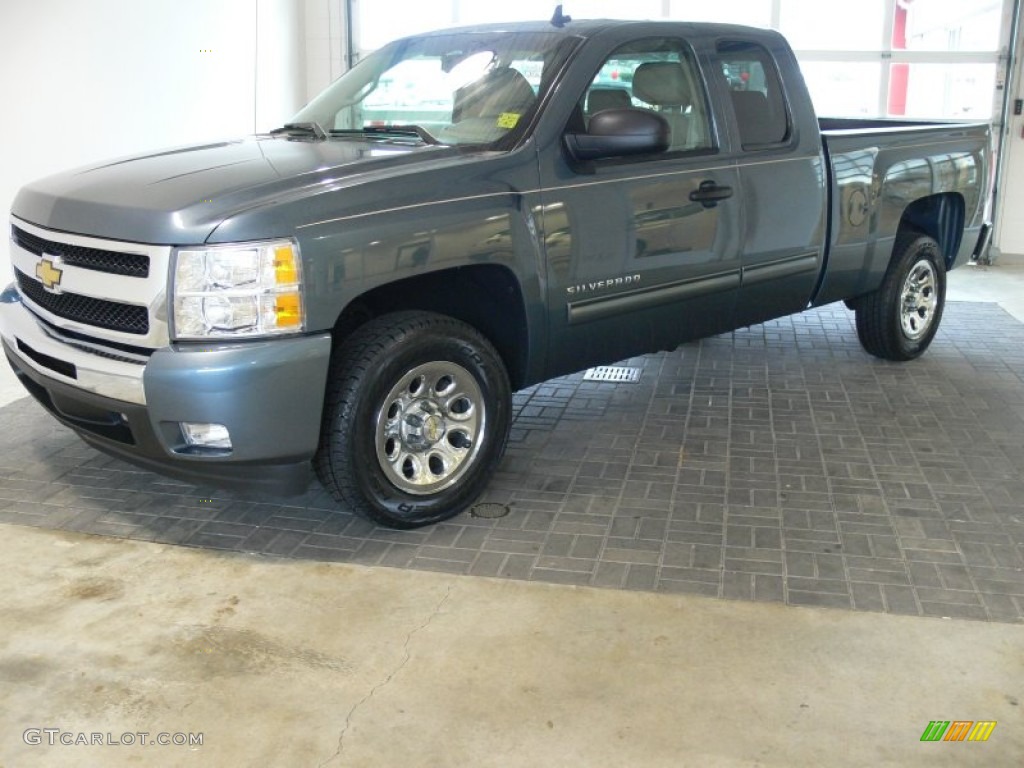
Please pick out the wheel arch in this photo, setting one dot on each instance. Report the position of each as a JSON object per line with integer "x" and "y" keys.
{"x": 940, "y": 217}
{"x": 487, "y": 297}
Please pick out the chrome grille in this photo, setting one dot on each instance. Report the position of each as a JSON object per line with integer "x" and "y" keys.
{"x": 109, "y": 292}
{"x": 112, "y": 315}
{"x": 111, "y": 262}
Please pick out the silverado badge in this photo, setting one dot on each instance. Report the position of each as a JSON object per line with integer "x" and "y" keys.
{"x": 48, "y": 273}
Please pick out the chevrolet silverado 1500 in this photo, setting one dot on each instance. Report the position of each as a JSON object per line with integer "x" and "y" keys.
{"x": 462, "y": 214}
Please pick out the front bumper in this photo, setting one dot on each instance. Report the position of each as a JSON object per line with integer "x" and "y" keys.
{"x": 268, "y": 394}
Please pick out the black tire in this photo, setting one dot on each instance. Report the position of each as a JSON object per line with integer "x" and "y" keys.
{"x": 899, "y": 320}
{"x": 416, "y": 416}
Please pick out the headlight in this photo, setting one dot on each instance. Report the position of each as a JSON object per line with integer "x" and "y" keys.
{"x": 238, "y": 290}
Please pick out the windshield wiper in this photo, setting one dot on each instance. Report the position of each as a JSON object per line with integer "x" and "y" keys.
{"x": 388, "y": 130}
{"x": 310, "y": 129}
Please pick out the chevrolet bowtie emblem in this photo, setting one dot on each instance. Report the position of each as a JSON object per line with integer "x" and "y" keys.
{"x": 49, "y": 275}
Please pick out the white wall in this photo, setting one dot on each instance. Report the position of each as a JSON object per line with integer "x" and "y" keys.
{"x": 84, "y": 80}
{"x": 280, "y": 61}
{"x": 325, "y": 44}
{"x": 1008, "y": 237}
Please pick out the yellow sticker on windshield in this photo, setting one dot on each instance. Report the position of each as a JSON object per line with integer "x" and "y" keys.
{"x": 508, "y": 120}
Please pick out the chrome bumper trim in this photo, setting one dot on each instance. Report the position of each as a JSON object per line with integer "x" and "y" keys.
{"x": 100, "y": 375}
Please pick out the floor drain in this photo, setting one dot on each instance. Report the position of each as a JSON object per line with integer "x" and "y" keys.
{"x": 489, "y": 510}
{"x": 618, "y": 374}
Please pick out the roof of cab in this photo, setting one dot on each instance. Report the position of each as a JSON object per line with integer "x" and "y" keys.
{"x": 591, "y": 27}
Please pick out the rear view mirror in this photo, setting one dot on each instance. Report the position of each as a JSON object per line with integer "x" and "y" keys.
{"x": 619, "y": 132}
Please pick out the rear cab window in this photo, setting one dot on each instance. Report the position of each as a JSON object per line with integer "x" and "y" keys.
{"x": 756, "y": 95}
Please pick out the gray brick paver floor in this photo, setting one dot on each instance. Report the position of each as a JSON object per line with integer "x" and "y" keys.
{"x": 777, "y": 463}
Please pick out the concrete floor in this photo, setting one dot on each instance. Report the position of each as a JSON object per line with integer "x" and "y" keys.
{"x": 285, "y": 662}
{"x": 1002, "y": 283}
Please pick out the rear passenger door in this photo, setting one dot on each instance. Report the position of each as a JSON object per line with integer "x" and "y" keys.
{"x": 782, "y": 190}
{"x": 642, "y": 251}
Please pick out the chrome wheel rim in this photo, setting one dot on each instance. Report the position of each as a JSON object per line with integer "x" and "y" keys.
{"x": 430, "y": 428}
{"x": 919, "y": 300}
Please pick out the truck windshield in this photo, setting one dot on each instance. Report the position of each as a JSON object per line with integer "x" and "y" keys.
{"x": 460, "y": 88}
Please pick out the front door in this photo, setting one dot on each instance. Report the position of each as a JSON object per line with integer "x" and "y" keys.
{"x": 642, "y": 252}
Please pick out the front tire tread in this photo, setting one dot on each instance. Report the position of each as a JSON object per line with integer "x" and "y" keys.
{"x": 346, "y": 462}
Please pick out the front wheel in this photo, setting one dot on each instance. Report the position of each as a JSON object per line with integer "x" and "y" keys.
{"x": 417, "y": 415}
{"x": 899, "y": 320}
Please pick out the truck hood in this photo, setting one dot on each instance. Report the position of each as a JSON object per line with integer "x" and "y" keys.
{"x": 179, "y": 196}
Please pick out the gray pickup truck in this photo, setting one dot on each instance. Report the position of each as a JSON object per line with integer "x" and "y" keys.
{"x": 461, "y": 215}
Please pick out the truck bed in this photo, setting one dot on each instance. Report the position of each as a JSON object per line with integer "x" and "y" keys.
{"x": 877, "y": 168}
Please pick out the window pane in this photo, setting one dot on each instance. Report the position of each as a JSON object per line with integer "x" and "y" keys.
{"x": 380, "y": 23}
{"x": 757, "y": 99}
{"x": 522, "y": 10}
{"x": 534, "y": 10}
{"x": 813, "y": 25}
{"x": 954, "y": 91}
{"x": 658, "y": 75}
{"x": 950, "y": 25}
{"x": 755, "y": 13}
{"x": 843, "y": 89}
{"x": 604, "y": 9}
{"x": 460, "y": 88}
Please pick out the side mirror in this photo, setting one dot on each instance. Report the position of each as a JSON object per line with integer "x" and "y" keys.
{"x": 619, "y": 132}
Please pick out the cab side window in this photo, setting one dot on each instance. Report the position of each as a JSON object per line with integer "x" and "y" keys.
{"x": 659, "y": 75}
{"x": 756, "y": 94}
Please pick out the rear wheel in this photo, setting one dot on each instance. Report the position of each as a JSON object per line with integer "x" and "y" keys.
{"x": 899, "y": 320}
{"x": 417, "y": 414}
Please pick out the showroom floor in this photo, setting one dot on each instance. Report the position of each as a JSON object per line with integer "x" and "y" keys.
{"x": 778, "y": 466}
